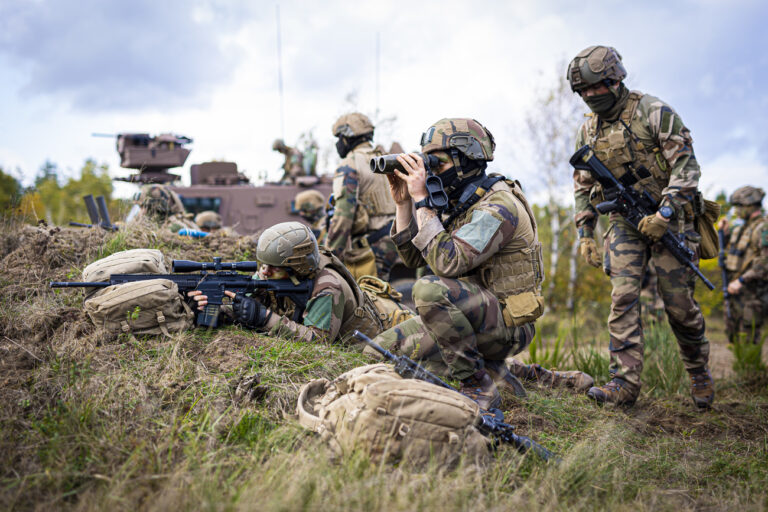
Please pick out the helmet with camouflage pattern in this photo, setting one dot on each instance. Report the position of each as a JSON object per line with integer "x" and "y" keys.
{"x": 208, "y": 220}
{"x": 595, "y": 64}
{"x": 352, "y": 125}
{"x": 278, "y": 145}
{"x": 289, "y": 244}
{"x": 159, "y": 200}
{"x": 466, "y": 135}
{"x": 309, "y": 203}
{"x": 747, "y": 196}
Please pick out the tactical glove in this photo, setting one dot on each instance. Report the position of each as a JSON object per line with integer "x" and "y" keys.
{"x": 249, "y": 312}
{"x": 653, "y": 227}
{"x": 589, "y": 252}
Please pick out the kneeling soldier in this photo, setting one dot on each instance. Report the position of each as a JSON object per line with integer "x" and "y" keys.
{"x": 482, "y": 246}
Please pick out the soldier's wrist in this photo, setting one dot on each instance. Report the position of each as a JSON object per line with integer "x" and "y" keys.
{"x": 586, "y": 232}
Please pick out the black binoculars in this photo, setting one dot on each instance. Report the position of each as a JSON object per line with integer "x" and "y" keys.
{"x": 386, "y": 164}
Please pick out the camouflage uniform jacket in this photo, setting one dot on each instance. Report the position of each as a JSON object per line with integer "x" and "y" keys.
{"x": 747, "y": 250}
{"x": 656, "y": 139}
{"x": 493, "y": 244}
{"x": 336, "y": 308}
{"x": 363, "y": 203}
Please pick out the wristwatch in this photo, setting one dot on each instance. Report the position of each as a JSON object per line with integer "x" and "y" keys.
{"x": 666, "y": 212}
{"x": 424, "y": 203}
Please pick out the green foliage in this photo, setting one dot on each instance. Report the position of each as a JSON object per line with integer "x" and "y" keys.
{"x": 10, "y": 191}
{"x": 547, "y": 356}
{"x": 663, "y": 372}
{"x": 748, "y": 358}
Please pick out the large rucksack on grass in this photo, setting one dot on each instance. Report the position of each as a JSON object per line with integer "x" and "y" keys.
{"x": 142, "y": 307}
{"x": 374, "y": 410}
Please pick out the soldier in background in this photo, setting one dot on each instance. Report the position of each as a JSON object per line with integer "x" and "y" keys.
{"x": 310, "y": 206}
{"x": 640, "y": 136}
{"x": 161, "y": 205}
{"x": 336, "y": 306}
{"x": 209, "y": 221}
{"x": 747, "y": 266}
{"x": 293, "y": 166}
{"x": 358, "y": 232}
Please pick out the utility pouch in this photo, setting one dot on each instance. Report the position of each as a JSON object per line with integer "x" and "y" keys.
{"x": 704, "y": 224}
{"x": 522, "y": 308}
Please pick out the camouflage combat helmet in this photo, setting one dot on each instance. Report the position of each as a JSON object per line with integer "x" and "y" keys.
{"x": 467, "y": 136}
{"x": 309, "y": 203}
{"x": 208, "y": 220}
{"x": 747, "y": 196}
{"x": 352, "y": 125}
{"x": 278, "y": 145}
{"x": 595, "y": 64}
{"x": 160, "y": 200}
{"x": 289, "y": 244}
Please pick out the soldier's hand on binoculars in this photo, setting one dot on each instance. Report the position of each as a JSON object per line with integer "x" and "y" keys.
{"x": 416, "y": 177}
{"x": 398, "y": 188}
{"x": 200, "y": 299}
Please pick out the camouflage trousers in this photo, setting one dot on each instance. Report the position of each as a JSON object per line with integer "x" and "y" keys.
{"x": 627, "y": 254}
{"x": 748, "y": 312}
{"x": 459, "y": 327}
{"x": 386, "y": 255}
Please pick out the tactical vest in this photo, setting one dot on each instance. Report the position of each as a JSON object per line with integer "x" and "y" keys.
{"x": 515, "y": 273}
{"x": 623, "y": 153}
{"x": 373, "y": 196}
{"x": 744, "y": 245}
{"x": 363, "y": 317}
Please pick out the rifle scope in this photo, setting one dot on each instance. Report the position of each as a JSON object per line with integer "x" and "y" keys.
{"x": 386, "y": 164}
{"x": 216, "y": 264}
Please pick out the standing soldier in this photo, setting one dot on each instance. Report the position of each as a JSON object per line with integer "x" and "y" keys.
{"x": 359, "y": 229}
{"x": 483, "y": 247}
{"x": 747, "y": 265}
{"x": 293, "y": 166}
{"x": 638, "y": 136}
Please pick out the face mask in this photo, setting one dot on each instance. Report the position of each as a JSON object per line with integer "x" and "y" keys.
{"x": 342, "y": 148}
{"x": 743, "y": 212}
{"x": 600, "y": 103}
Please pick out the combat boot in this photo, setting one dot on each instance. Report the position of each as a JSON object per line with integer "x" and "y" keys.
{"x": 480, "y": 388}
{"x": 505, "y": 379}
{"x": 616, "y": 391}
{"x": 702, "y": 388}
{"x": 577, "y": 380}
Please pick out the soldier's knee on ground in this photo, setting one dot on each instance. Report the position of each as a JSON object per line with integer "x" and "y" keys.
{"x": 428, "y": 290}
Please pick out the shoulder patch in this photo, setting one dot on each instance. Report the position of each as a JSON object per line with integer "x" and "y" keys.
{"x": 480, "y": 230}
{"x": 319, "y": 312}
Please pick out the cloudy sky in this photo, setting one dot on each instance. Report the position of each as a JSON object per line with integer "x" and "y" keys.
{"x": 208, "y": 70}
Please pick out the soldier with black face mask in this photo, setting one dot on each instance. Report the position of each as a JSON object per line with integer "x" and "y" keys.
{"x": 358, "y": 232}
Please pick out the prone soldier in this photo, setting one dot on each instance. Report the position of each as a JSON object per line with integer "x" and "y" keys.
{"x": 747, "y": 266}
{"x": 161, "y": 205}
{"x": 643, "y": 140}
{"x": 358, "y": 232}
{"x": 336, "y": 306}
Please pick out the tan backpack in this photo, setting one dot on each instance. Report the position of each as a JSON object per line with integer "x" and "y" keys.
{"x": 386, "y": 300}
{"x": 141, "y": 307}
{"x": 134, "y": 261}
{"x": 373, "y": 409}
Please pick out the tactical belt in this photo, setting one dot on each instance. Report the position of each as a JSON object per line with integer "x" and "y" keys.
{"x": 374, "y": 236}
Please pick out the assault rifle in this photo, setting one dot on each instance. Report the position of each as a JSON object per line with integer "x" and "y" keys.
{"x": 225, "y": 276}
{"x": 630, "y": 204}
{"x": 98, "y": 213}
{"x": 724, "y": 272}
{"x": 491, "y": 423}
